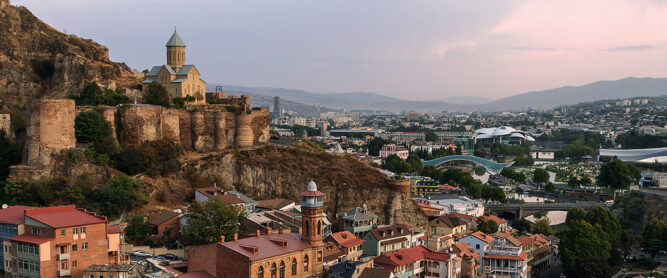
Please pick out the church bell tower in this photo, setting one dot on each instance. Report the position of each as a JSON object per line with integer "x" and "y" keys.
{"x": 312, "y": 208}
{"x": 175, "y": 50}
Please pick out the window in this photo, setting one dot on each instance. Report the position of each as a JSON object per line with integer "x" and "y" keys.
{"x": 62, "y": 232}
{"x": 74, "y": 247}
{"x": 83, "y": 230}
{"x": 293, "y": 266}
{"x": 305, "y": 263}
{"x": 477, "y": 247}
{"x": 273, "y": 270}
{"x": 73, "y": 263}
{"x": 307, "y": 232}
{"x": 319, "y": 256}
{"x": 76, "y": 231}
{"x": 319, "y": 227}
{"x": 281, "y": 271}
{"x": 260, "y": 272}
{"x": 84, "y": 246}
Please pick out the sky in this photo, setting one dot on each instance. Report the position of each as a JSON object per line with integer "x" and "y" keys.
{"x": 416, "y": 49}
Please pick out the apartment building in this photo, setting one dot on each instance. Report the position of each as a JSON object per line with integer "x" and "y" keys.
{"x": 58, "y": 241}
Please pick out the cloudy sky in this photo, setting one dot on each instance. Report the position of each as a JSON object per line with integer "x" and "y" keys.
{"x": 407, "y": 49}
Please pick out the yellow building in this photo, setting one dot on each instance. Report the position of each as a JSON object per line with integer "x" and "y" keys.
{"x": 179, "y": 79}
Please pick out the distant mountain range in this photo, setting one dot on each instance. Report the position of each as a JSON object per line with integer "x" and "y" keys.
{"x": 296, "y": 100}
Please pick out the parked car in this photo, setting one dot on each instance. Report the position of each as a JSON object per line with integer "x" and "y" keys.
{"x": 160, "y": 258}
{"x": 141, "y": 253}
{"x": 170, "y": 257}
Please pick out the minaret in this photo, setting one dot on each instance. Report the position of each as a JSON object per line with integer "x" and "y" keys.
{"x": 312, "y": 207}
{"x": 175, "y": 50}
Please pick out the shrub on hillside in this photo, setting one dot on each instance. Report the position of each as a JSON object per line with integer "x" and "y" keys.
{"x": 90, "y": 126}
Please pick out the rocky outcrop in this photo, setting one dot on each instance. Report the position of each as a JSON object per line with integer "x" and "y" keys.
{"x": 278, "y": 172}
{"x": 37, "y": 60}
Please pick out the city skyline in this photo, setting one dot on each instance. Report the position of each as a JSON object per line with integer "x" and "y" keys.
{"x": 433, "y": 50}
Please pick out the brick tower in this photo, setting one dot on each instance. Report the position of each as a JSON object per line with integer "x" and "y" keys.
{"x": 175, "y": 50}
{"x": 312, "y": 207}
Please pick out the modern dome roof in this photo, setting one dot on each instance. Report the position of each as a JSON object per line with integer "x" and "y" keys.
{"x": 175, "y": 40}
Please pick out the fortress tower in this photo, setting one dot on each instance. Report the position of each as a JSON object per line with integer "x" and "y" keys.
{"x": 175, "y": 50}
{"x": 312, "y": 208}
{"x": 4, "y": 4}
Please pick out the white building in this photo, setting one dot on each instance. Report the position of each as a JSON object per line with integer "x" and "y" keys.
{"x": 504, "y": 135}
{"x": 389, "y": 149}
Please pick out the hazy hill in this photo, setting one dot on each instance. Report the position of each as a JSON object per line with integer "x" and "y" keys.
{"x": 624, "y": 88}
{"x": 568, "y": 95}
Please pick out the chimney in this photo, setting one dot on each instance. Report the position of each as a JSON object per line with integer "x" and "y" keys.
{"x": 258, "y": 233}
{"x": 268, "y": 231}
{"x": 222, "y": 239}
{"x": 236, "y": 237}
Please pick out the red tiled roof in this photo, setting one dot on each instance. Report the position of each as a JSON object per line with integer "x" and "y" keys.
{"x": 216, "y": 193}
{"x": 463, "y": 216}
{"x": 451, "y": 220}
{"x": 31, "y": 239}
{"x": 410, "y": 255}
{"x": 114, "y": 230}
{"x": 64, "y": 216}
{"x": 509, "y": 238}
{"x": 483, "y": 237}
{"x": 496, "y": 219}
{"x": 161, "y": 217}
{"x": 266, "y": 245}
{"x": 346, "y": 239}
{"x": 386, "y": 232}
{"x": 273, "y": 203}
{"x": 464, "y": 250}
{"x": 376, "y": 273}
{"x": 13, "y": 214}
{"x": 522, "y": 256}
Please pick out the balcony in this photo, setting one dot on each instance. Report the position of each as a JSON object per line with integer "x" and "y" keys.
{"x": 63, "y": 256}
{"x": 64, "y": 272}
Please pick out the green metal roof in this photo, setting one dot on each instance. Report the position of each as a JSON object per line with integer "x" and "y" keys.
{"x": 175, "y": 40}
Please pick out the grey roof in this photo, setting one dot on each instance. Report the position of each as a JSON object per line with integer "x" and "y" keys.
{"x": 175, "y": 40}
{"x": 357, "y": 214}
{"x": 171, "y": 71}
{"x": 185, "y": 69}
{"x": 148, "y": 81}
{"x": 245, "y": 198}
{"x": 154, "y": 70}
{"x": 178, "y": 80}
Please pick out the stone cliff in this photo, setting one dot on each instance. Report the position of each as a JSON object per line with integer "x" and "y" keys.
{"x": 37, "y": 60}
{"x": 280, "y": 172}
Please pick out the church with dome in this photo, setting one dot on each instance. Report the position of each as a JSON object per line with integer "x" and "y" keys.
{"x": 180, "y": 79}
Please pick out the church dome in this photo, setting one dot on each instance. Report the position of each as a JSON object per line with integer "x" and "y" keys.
{"x": 175, "y": 40}
{"x": 311, "y": 186}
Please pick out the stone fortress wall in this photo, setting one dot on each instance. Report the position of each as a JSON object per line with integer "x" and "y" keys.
{"x": 211, "y": 127}
{"x": 5, "y": 123}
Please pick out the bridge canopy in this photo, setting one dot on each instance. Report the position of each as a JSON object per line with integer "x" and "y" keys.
{"x": 490, "y": 165}
{"x": 636, "y": 155}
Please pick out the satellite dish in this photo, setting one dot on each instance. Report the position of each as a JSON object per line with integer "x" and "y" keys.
{"x": 4, "y": 206}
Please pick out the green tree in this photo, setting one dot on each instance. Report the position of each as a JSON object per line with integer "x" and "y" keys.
{"x": 542, "y": 226}
{"x": 480, "y": 153}
{"x": 10, "y": 154}
{"x": 130, "y": 161}
{"x": 120, "y": 194}
{"x": 137, "y": 229}
{"x": 617, "y": 174}
{"x": 573, "y": 182}
{"x": 655, "y": 236}
{"x": 415, "y": 163}
{"x": 585, "y": 181}
{"x": 550, "y": 187}
{"x": 488, "y": 227}
{"x": 629, "y": 241}
{"x": 575, "y": 213}
{"x": 608, "y": 222}
{"x": 210, "y": 220}
{"x": 431, "y": 136}
{"x": 397, "y": 165}
{"x": 521, "y": 225}
{"x": 90, "y": 95}
{"x": 581, "y": 241}
{"x": 540, "y": 176}
{"x": 490, "y": 192}
{"x": 90, "y": 126}
{"x": 375, "y": 145}
{"x": 156, "y": 94}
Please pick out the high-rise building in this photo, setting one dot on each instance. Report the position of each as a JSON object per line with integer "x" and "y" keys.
{"x": 277, "y": 109}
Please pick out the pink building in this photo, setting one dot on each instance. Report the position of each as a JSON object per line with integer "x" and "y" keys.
{"x": 389, "y": 149}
